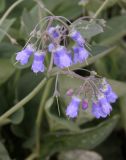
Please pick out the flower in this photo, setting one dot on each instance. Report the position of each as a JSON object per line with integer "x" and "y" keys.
{"x": 107, "y": 90}
{"x": 73, "y": 107}
{"x": 80, "y": 54}
{"x": 61, "y": 57}
{"x": 97, "y": 110}
{"x": 38, "y": 65}
{"x": 77, "y": 37}
{"x": 84, "y": 104}
{"x": 51, "y": 47}
{"x": 23, "y": 56}
{"x": 106, "y": 107}
{"x": 53, "y": 32}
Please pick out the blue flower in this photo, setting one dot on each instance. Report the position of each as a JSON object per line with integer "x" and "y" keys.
{"x": 97, "y": 110}
{"x": 80, "y": 54}
{"x": 107, "y": 90}
{"x": 106, "y": 107}
{"x": 77, "y": 37}
{"x": 73, "y": 107}
{"x": 38, "y": 65}
{"x": 61, "y": 57}
{"x": 53, "y": 32}
{"x": 24, "y": 55}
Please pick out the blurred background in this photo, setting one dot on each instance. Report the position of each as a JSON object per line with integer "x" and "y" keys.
{"x": 61, "y": 139}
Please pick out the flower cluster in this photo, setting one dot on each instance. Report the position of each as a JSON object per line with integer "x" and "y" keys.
{"x": 101, "y": 106}
{"x": 54, "y": 42}
{"x": 62, "y": 56}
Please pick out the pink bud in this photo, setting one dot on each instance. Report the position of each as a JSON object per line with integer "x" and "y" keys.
{"x": 69, "y": 92}
{"x": 84, "y": 104}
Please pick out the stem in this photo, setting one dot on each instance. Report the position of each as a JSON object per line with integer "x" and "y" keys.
{"x": 40, "y": 114}
{"x": 23, "y": 101}
{"x": 101, "y": 8}
{"x": 9, "y": 10}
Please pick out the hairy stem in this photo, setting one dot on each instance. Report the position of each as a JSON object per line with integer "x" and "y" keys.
{"x": 23, "y": 101}
{"x": 101, "y": 8}
{"x": 9, "y": 10}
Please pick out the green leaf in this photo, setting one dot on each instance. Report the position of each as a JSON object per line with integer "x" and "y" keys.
{"x": 2, "y": 5}
{"x": 67, "y": 8}
{"x": 17, "y": 117}
{"x": 5, "y": 27}
{"x": 114, "y": 31}
{"x": 3, "y": 152}
{"x": 84, "y": 139}
{"x": 58, "y": 123}
{"x": 123, "y": 111}
{"x": 7, "y": 50}
{"x": 88, "y": 29}
{"x": 118, "y": 86}
{"x": 6, "y": 70}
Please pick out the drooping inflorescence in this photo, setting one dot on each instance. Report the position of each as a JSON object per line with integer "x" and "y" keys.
{"x": 64, "y": 46}
{"x": 98, "y": 92}
{"x": 53, "y": 40}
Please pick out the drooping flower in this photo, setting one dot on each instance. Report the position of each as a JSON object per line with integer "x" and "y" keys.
{"x": 24, "y": 55}
{"x": 77, "y": 37}
{"x": 97, "y": 110}
{"x": 106, "y": 107}
{"x": 84, "y": 104}
{"x": 70, "y": 92}
{"x": 61, "y": 57}
{"x": 73, "y": 107}
{"x": 53, "y": 32}
{"x": 107, "y": 90}
{"x": 38, "y": 62}
{"x": 80, "y": 54}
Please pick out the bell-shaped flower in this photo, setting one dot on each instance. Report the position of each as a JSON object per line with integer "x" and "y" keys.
{"x": 80, "y": 54}
{"x": 24, "y": 55}
{"x": 61, "y": 57}
{"x": 73, "y": 107}
{"x": 77, "y": 37}
{"x": 38, "y": 62}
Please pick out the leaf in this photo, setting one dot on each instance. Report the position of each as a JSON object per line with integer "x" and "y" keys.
{"x": 5, "y": 27}
{"x": 84, "y": 139}
{"x": 123, "y": 111}
{"x": 3, "y": 153}
{"x": 114, "y": 31}
{"x": 7, "y": 50}
{"x": 17, "y": 117}
{"x": 88, "y": 29}
{"x": 2, "y": 5}
{"x": 69, "y": 9}
{"x": 79, "y": 155}
{"x": 6, "y": 70}
{"x": 118, "y": 86}
{"x": 58, "y": 123}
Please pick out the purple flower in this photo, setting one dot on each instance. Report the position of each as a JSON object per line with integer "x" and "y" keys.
{"x": 61, "y": 57}
{"x": 54, "y": 32}
{"x": 38, "y": 65}
{"x": 77, "y": 37}
{"x": 80, "y": 54}
{"x": 97, "y": 110}
{"x": 106, "y": 107}
{"x": 23, "y": 56}
{"x": 107, "y": 90}
{"x": 51, "y": 47}
{"x": 73, "y": 107}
